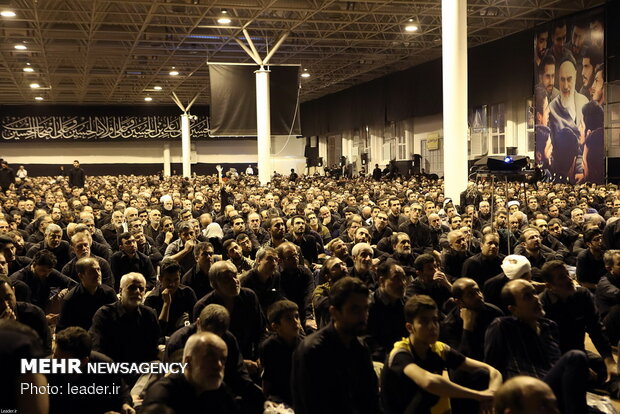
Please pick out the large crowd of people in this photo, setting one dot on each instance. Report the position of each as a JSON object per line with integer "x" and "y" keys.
{"x": 321, "y": 294}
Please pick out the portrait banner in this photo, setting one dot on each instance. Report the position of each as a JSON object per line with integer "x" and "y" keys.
{"x": 569, "y": 98}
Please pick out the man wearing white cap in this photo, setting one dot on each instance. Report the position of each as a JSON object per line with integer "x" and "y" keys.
{"x": 513, "y": 267}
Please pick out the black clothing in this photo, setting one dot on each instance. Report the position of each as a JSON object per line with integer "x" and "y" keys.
{"x": 376, "y": 235}
{"x": 452, "y": 263}
{"x": 247, "y": 321}
{"x": 198, "y": 281}
{"x": 420, "y": 236}
{"x": 121, "y": 264}
{"x": 125, "y": 336}
{"x": 329, "y": 377}
{"x": 268, "y": 292}
{"x": 611, "y": 235}
{"x": 92, "y": 403}
{"x": 77, "y": 177}
{"x": 41, "y": 290}
{"x": 176, "y": 393}
{"x": 438, "y": 292}
{"x": 7, "y": 177}
{"x": 308, "y": 246}
{"x": 297, "y": 286}
{"x": 19, "y": 263}
{"x": 481, "y": 268}
{"x": 492, "y": 290}
{"x": 589, "y": 269}
{"x": 62, "y": 252}
{"x": 183, "y": 301}
{"x": 79, "y": 306}
{"x": 106, "y": 273}
{"x": 607, "y": 294}
{"x": 469, "y": 343}
{"x": 33, "y": 316}
{"x": 574, "y": 317}
{"x": 386, "y": 325}
{"x": 276, "y": 357}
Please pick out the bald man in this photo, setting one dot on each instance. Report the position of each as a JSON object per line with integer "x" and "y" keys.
{"x": 199, "y": 388}
{"x": 525, "y": 395}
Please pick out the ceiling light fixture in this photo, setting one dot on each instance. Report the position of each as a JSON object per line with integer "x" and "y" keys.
{"x": 20, "y": 46}
{"x": 305, "y": 74}
{"x": 35, "y": 85}
{"x": 157, "y": 88}
{"x": 173, "y": 72}
{"x": 7, "y": 13}
{"x": 28, "y": 68}
{"x": 148, "y": 99}
{"x": 224, "y": 18}
{"x": 38, "y": 98}
{"x": 412, "y": 26}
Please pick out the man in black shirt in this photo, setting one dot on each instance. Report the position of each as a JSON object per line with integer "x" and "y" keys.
{"x": 306, "y": 242}
{"x": 81, "y": 303}
{"x": 54, "y": 243}
{"x": 430, "y": 280}
{"x": 332, "y": 369}
{"x": 452, "y": 259}
{"x": 386, "y": 320}
{"x": 590, "y": 264}
{"x": 486, "y": 264}
{"x": 127, "y": 331}
{"x": 264, "y": 278}
{"x": 572, "y": 308}
{"x": 171, "y": 301}
{"x": 419, "y": 233}
{"x": 198, "y": 276}
{"x": 200, "y": 388}
{"x": 81, "y": 245}
{"x": 297, "y": 283}
{"x": 128, "y": 259}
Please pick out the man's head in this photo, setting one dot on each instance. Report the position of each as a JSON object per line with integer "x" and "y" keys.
{"x": 568, "y": 76}
{"x": 349, "y": 304}
{"x": 415, "y": 212}
{"x": 43, "y": 263}
{"x": 612, "y": 262}
{"x": 133, "y": 287}
{"x": 170, "y": 275}
{"x": 489, "y": 245}
{"x": 224, "y": 280}
{"x": 558, "y": 37}
{"x": 577, "y": 216}
{"x": 556, "y": 276}
{"x": 530, "y": 239}
{"x": 401, "y": 243}
{"x": 467, "y": 294}
{"x": 7, "y": 295}
{"x": 289, "y": 255}
{"x": 593, "y": 238}
{"x": 394, "y": 206}
{"x": 73, "y": 342}
{"x": 267, "y": 260}
{"x": 457, "y": 241}
{"x": 203, "y": 254}
{"x": 127, "y": 244}
{"x": 525, "y": 395}
{"x": 4, "y": 265}
{"x": 186, "y": 231}
{"x": 335, "y": 269}
{"x": 276, "y": 227}
{"x": 205, "y": 354}
{"x": 362, "y": 257}
{"x": 80, "y": 244}
{"x": 53, "y": 236}
{"x": 299, "y": 225}
{"x": 540, "y": 44}
{"x": 392, "y": 280}
{"x": 522, "y": 301}
{"x": 546, "y": 73}
{"x": 422, "y": 319}
{"x": 425, "y": 266}
{"x": 89, "y": 273}
{"x": 214, "y": 318}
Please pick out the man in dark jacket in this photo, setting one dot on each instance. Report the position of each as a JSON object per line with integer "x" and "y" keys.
{"x": 77, "y": 176}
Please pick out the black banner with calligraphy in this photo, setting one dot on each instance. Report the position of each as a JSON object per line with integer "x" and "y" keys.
{"x": 91, "y": 127}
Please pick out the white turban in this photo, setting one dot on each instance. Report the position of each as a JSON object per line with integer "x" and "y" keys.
{"x": 515, "y": 266}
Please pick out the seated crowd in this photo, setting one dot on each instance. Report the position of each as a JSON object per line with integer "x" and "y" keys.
{"x": 323, "y": 295}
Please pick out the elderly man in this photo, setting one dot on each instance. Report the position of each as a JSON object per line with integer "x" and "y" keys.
{"x": 362, "y": 265}
{"x": 525, "y": 395}
{"x": 54, "y": 243}
{"x": 200, "y": 388}
{"x": 81, "y": 303}
{"x": 127, "y": 331}
{"x": 81, "y": 245}
{"x": 247, "y": 321}
{"x": 486, "y": 264}
{"x": 453, "y": 258}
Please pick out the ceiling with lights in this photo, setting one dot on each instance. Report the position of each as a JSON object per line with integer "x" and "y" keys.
{"x": 129, "y": 52}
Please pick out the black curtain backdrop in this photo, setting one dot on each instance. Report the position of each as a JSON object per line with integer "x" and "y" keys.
{"x": 233, "y": 99}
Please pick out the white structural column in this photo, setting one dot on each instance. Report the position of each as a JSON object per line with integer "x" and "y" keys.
{"x": 186, "y": 148}
{"x": 166, "y": 159}
{"x": 263, "y": 125}
{"x": 454, "y": 65}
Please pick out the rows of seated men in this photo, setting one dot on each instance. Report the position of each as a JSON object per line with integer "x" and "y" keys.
{"x": 507, "y": 282}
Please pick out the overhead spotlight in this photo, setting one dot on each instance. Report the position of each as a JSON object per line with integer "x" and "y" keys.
{"x": 305, "y": 74}
{"x": 20, "y": 46}
{"x": 28, "y": 68}
{"x": 412, "y": 26}
{"x": 148, "y": 98}
{"x": 38, "y": 98}
{"x": 35, "y": 85}
{"x": 174, "y": 72}
{"x": 7, "y": 13}
{"x": 157, "y": 88}
{"x": 224, "y": 18}
{"x": 508, "y": 159}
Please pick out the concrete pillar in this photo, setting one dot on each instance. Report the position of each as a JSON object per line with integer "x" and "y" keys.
{"x": 263, "y": 125}
{"x": 454, "y": 66}
{"x": 166, "y": 159}
{"x": 186, "y": 149}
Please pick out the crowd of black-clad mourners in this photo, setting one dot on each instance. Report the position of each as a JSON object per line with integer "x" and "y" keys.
{"x": 311, "y": 293}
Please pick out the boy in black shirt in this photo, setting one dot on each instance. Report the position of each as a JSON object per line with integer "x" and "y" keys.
{"x": 276, "y": 352}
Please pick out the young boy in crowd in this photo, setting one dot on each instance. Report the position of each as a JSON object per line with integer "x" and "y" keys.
{"x": 277, "y": 351}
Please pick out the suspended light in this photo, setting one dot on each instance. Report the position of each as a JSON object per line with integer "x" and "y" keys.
{"x": 20, "y": 46}
{"x": 224, "y": 18}
{"x": 148, "y": 98}
{"x": 173, "y": 72}
{"x": 412, "y": 26}
{"x": 35, "y": 85}
{"x": 157, "y": 88}
{"x": 38, "y": 98}
{"x": 7, "y": 13}
{"x": 28, "y": 69}
{"x": 305, "y": 74}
